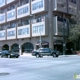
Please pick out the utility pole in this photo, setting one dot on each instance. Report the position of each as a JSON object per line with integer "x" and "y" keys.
{"x": 64, "y": 45}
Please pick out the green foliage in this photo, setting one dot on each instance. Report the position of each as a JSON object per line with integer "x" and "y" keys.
{"x": 74, "y": 32}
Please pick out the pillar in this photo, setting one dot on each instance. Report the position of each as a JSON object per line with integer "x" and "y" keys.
{"x": 9, "y": 47}
{"x": 50, "y": 14}
{"x": 20, "y": 50}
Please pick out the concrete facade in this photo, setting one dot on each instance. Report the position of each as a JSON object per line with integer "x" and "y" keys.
{"x": 22, "y": 22}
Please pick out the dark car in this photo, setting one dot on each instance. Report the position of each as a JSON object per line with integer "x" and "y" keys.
{"x": 9, "y": 54}
{"x": 45, "y": 52}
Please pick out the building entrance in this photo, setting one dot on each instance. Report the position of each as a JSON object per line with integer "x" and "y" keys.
{"x": 27, "y": 47}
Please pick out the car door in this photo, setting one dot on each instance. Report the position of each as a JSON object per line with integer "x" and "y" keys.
{"x": 47, "y": 51}
{"x": 42, "y": 51}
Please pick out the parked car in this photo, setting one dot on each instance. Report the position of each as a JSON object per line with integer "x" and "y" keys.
{"x": 45, "y": 52}
{"x": 9, "y": 54}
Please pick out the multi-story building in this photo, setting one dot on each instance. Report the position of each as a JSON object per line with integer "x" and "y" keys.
{"x": 26, "y": 23}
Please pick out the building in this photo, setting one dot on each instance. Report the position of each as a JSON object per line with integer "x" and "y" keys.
{"x": 24, "y": 24}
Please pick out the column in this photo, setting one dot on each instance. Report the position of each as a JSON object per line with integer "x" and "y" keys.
{"x": 50, "y": 14}
{"x": 0, "y": 48}
{"x": 20, "y": 50}
{"x": 9, "y": 47}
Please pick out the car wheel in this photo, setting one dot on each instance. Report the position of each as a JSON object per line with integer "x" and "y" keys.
{"x": 57, "y": 55}
{"x": 17, "y": 56}
{"x": 54, "y": 55}
{"x": 37, "y": 55}
{"x": 9, "y": 56}
{"x": 41, "y": 56}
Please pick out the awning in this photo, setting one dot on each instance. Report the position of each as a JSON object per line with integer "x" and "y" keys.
{"x": 58, "y": 42}
{"x": 42, "y": 42}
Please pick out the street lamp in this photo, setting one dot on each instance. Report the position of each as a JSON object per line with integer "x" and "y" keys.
{"x": 34, "y": 20}
{"x": 40, "y": 32}
{"x": 40, "y": 28}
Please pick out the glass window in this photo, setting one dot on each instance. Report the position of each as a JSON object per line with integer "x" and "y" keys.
{"x": 2, "y": 2}
{"x": 22, "y": 2}
{"x": 23, "y": 31}
{"x": 37, "y": 5}
{"x": 11, "y": 15}
{"x": 2, "y": 17}
{"x": 13, "y": 25}
{"x": 2, "y": 34}
{"x": 73, "y": 1}
{"x": 11, "y": 33}
{"x": 38, "y": 29}
{"x": 23, "y": 10}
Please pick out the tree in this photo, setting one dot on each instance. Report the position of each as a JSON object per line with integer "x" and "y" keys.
{"x": 74, "y": 33}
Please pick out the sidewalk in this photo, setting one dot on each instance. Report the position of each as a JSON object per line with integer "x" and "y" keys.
{"x": 68, "y": 55}
{"x": 29, "y": 55}
{"x": 26, "y": 55}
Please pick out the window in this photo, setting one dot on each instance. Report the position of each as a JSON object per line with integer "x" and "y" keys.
{"x": 59, "y": 18}
{"x": 61, "y": 4}
{"x": 11, "y": 15}
{"x": 38, "y": 28}
{"x": 37, "y": 5}
{"x": 2, "y": 10}
{"x": 2, "y": 17}
{"x": 11, "y": 33}
{"x": 38, "y": 19}
{"x": 2, "y": 34}
{"x": 13, "y": 25}
{"x": 72, "y": 8}
{"x": 23, "y": 10}
{"x": 73, "y": 1}
{"x": 2, "y": 2}
{"x": 23, "y": 31}
{"x": 25, "y": 22}
{"x": 22, "y": 2}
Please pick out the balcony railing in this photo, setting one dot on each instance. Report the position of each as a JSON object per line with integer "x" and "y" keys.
{"x": 23, "y": 31}
{"x": 11, "y": 33}
{"x": 3, "y": 35}
{"x": 60, "y": 5}
{"x": 39, "y": 6}
{"x": 2, "y": 3}
{"x": 11, "y": 15}
{"x": 23, "y": 10}
{"x": 2, "y": 18}
{"x": 9, "y": 1}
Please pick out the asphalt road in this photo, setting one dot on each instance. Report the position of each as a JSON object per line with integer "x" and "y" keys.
{"x": 46, "y": 68}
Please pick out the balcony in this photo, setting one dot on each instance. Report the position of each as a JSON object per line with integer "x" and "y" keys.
{"x": 40, "y": 27}
{"x": 2, "y": 35}
{"x": 58, "y": 23}
{"x": 9, "y": 1}
{"x": 60, "y": 5}
{"x": 39, "y": 6}
{"x": 23, "y": 10}
{"x": 72, "y": 8}
{"x": 11, "y": 33}
{"x": 23, "y": 31}
{"x": 2, "y": 18}
{"x": 2, "y": 3}
{"x": 11, "y": 15}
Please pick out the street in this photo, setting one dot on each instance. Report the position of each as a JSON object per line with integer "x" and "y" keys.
{"x": 46, "y": 68}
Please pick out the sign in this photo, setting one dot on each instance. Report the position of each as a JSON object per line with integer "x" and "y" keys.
{"x": 77, "y": 76}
